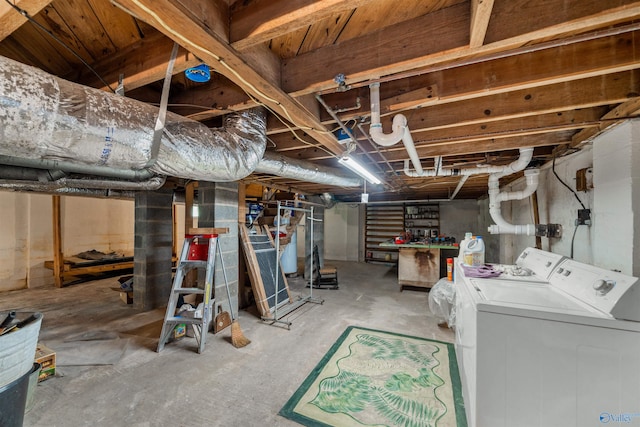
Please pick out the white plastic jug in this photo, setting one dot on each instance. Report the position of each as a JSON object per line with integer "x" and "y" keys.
{"x": 474, "y": 252}
{"x": 468, "y": 236}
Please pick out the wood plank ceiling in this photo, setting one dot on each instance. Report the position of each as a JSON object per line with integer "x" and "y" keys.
{"x": 476, "y": 79}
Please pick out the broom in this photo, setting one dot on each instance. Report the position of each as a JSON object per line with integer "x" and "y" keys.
{"x": 238, "y": 339}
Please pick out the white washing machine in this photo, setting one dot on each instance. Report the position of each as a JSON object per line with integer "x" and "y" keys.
{"x": 560, "y": 353}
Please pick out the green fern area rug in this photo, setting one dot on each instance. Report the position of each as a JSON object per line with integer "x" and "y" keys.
{"x": 377, "y": 378}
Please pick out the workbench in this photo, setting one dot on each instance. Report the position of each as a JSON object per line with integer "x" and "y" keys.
{"x": 421, "y": 265}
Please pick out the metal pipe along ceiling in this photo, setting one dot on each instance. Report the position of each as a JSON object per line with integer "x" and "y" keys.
{"x": 275, "y": 164}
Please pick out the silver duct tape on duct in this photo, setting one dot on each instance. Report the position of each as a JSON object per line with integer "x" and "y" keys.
{"x": 45, "y": 117}
{"x": 275, "y": 164}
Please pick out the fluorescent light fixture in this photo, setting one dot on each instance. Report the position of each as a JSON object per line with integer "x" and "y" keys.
{"x": 359, "y": 169}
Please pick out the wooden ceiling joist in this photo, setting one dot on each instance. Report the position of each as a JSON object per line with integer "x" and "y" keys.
{"x": 480, "y": 15}
{"x": 11, "y": 19}
{"x": 263, "y": 20}
{"x": 213, "y": 50}
{"x": 432, "y": 43}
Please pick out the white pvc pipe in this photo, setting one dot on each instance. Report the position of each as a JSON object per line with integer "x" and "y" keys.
{"x": 495, "y": 197}
{"x": 375, "y": 130}
{"x": 532, "y": 184}
{"x": 407, "y": 140}
{"x": 399, "y": 129}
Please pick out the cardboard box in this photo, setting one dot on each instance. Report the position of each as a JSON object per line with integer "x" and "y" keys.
{"x": 126, "y": 297}
{"x": 47, "y": 359}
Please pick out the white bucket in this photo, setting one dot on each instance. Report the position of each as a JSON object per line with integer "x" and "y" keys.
{"x": 18, "y": 348}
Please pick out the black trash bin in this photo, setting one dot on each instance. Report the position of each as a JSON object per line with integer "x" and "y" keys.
{"x": 13, "y": 399}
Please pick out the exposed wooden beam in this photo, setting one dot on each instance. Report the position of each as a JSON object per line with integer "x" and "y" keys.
{"x": 145, "y": 62}
{"x": 11, "y": 19}
{"x": 557, "y": 98}
{"x": 262, "y": 20}
{"x": 594, "y": 91}
{"x": 213, "y": 14}
{"x": 550, "y": 19}
{"x": 530, "y": 125}
{"x": 142, "y": 63}
{"x": 621, "y": 112}
{"x": 404, "y": 45}
{"x": 480, "y": 15}
{"x": 468, "y": 108}
{"x": 213, "y": 50}
{"x": 501, "y": 144}
{"x": 435, "y": 39}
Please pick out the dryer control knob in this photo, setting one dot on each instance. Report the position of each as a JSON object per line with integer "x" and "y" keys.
{"x": 603, "y": 286}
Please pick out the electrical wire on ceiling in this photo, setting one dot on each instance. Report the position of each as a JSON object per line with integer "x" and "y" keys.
{"x": 43, "y": 29}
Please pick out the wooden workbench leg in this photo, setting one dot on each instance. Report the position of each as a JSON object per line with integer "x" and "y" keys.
{"x": 58, "y": 257}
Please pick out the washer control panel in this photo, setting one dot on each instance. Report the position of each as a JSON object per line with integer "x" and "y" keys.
{"x": 541, "y": 263}
{"x": 609, "y": 291}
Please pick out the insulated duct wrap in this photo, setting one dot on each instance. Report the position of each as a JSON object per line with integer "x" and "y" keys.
{"x": 45, "y": 117}
{"x": 275, "y": 164}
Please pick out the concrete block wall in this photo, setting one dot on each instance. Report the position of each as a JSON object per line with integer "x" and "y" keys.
{"x": 153, "y": 247}
{"x": 218, "y": 207}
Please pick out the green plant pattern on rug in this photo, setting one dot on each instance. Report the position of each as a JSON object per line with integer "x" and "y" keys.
{"x": 389, "y": 394}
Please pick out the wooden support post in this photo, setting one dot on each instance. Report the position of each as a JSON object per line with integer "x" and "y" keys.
{"x": 191, "y": 277}
{"x": 174, "y": 232}
{"x": 189, "y": 190}
{"x": 243, "y": 297}
{"x": 58, "y": 256}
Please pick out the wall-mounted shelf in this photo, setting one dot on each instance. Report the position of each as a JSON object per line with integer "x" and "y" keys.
{"x": 383, "y": 223}
{"x": 422, "y": 220}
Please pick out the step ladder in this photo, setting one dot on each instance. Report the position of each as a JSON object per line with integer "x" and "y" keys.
{"x": 198, "y": 252}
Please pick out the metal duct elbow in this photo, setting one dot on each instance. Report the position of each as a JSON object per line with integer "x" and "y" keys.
{"x": 226, "y": 154}
{"x": 275, "y": 164}
{"x": 43, "y": 117}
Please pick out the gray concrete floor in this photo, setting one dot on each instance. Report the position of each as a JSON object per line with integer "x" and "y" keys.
{"x": 225, "y": 386}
